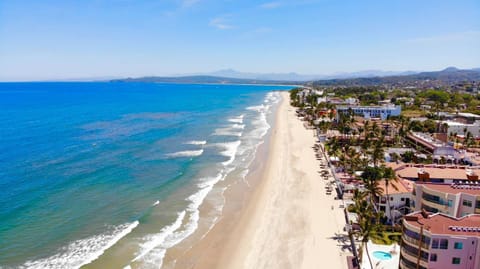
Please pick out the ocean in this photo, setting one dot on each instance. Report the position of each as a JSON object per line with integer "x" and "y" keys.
{"x": 113, "y": 175}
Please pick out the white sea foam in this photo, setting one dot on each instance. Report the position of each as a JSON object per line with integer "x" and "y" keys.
{"x": 83, "y": 251}
{"x": 238, "y": 126}
{"x": 186, "y": 153}
{"x": 259, "y": 108}
{"x": 155, "y": 247}
{"x": 229, "y": 131}
{"x": 157, "y": 240}
{"x": 196, "y": 142}
{"x": 238, "y": 119}
{"x": 230, "y": 150}
{"x": 209, "y": 181}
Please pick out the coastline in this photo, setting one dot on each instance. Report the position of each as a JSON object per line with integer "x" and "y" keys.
{"x": 283, "y": 218}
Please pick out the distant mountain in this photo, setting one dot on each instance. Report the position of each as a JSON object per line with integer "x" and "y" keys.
{"x": 204, "y": 79}
{"x": 231, "y": 73}
{"x": 448, "y": 75}
{"x": 362, "y": 78}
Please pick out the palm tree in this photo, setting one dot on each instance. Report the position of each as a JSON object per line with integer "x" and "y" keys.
{"x": 371, "y": 177}
{"x": 389, "y": 175}
{"x": 378, "y": 152}
{"x": 333, "y": 147}
{"x": 468, "y": 139}
{"x": 368, "y": 222}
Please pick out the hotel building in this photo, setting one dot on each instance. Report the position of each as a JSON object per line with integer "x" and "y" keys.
{"x": 440, "y": 241}
{"x": 368, "y": 112}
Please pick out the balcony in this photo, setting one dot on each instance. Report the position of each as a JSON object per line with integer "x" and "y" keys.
{"x": 438, "y": 207}
{"x": 412, "y": 251}
{"x": 414, "y": 242}
{"x": 406, "y": 264}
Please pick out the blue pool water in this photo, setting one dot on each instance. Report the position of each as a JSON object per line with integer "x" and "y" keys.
{"x": 116, "y": 172}
{"x": 381, "y": 255}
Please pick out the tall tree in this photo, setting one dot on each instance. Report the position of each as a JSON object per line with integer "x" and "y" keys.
{"x": 368, "y": 222}
{"x": 389, "y": 177}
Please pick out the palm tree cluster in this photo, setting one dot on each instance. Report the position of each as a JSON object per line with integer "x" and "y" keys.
{"x": 368, "y": 157}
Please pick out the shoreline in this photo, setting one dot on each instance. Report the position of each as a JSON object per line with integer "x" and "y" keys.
{"x": 283, "y": 218}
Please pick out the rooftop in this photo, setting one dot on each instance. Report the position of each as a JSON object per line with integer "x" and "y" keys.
{"x": 386, "y": 106}
{"x": 394, "y": 187}
{"x": 452, "y": 189}
{"x": 436, "y": 172}
{"x": 442, "y": 224}
{"x": 455, "y": 123}
{"x": 468, "y": 115}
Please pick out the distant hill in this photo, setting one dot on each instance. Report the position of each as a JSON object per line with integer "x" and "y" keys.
{"x": 292, "y": 76}
{"x": 205, "y": 80}
{"x": 449, "y": 75}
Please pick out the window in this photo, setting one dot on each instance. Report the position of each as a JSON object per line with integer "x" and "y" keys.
{"x": 467, "y": 203}
{"x": 433, "y": 257}
{"x": 443, "y": 244}
{"x": 455, "y": 260}
{"x": 450, "y": 203}
{"x": 402, "y": 199}
{"x": 458, "y": 245}
{"x": 434, "y": 243}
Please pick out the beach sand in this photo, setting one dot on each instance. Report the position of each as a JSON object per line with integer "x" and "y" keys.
{"x": 286, "y": 220}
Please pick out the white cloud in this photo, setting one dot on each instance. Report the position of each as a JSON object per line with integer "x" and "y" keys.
{"x": 221, "y": 22}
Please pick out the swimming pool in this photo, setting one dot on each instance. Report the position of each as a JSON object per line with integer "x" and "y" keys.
{"x": 381, "y": 255}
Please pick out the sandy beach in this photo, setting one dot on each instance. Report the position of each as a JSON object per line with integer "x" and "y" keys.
{"x": 288, "y": 220}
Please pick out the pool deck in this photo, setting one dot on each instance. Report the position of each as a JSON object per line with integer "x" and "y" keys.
{"x": 381, "y": 264}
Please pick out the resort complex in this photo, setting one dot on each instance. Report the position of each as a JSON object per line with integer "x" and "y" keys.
{"x": 407, "y": 174}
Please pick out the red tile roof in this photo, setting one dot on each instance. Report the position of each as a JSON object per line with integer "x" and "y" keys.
{"x": 435, "y": 172}
{"x": 441, "y": 224}
{"x": 447, "y": 188}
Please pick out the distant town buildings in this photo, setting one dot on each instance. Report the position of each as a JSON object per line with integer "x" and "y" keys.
{"x": 460, "y": 128}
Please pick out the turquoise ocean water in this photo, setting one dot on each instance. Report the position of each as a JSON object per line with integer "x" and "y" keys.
{"x": 111, "y": 175}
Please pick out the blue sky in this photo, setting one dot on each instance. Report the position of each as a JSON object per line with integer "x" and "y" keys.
{"x": 73, "y": 39}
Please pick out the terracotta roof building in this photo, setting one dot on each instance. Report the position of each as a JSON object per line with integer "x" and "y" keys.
{"x": 440, "y": 241}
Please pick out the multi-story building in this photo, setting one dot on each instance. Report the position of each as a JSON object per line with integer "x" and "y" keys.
{"x": 440, "y": 241}
{"x": 397, "y": 203}
{"x": 455, "y": 199}
{"x": 371, "y": 111}
{"x": 453, "y": 190}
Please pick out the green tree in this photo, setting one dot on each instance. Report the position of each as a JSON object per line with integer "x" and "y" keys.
{"x": 389, "y": 176}
{"x": 408, "y": 157}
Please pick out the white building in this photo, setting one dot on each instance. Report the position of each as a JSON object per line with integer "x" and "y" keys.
{"x": 399, "y": 201}
{"x": 460, "y": 128}
{"x": 351, "y": 101}
{"x": 371, "y": 111}
{"x": 321, "y": 100}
